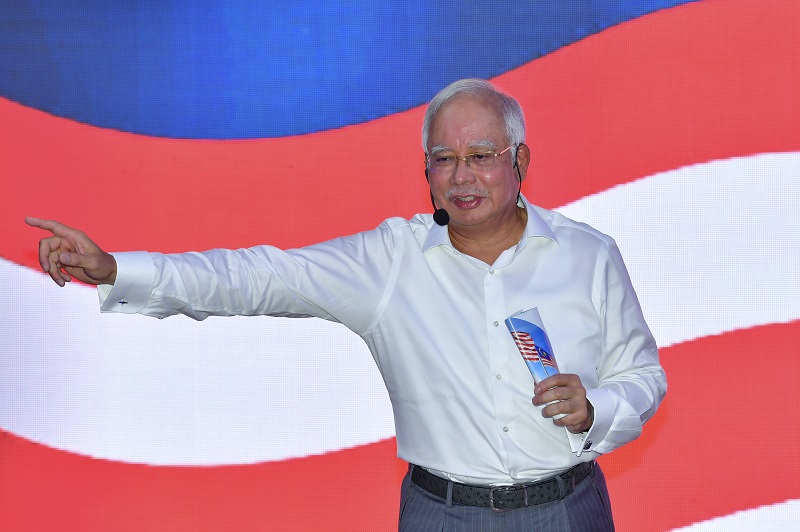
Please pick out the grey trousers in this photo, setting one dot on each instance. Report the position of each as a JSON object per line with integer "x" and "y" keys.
{"x": 586, "y": 509}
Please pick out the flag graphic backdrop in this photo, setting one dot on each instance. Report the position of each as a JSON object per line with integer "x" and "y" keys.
{"x": 672, "y": 126}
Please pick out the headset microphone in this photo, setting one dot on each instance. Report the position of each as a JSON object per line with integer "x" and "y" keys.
{"x": 440, "y": 216}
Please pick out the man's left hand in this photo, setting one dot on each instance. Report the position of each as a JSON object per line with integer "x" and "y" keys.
{"x": 566, "y": 388}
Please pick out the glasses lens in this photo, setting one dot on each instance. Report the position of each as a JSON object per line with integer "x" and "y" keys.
{"x": 442, "y": 163}
{"x": 482, "y": 160}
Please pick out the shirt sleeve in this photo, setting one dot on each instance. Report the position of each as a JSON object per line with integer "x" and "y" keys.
{"x": 632, "y": 382}
{"x": 340, "y": 280}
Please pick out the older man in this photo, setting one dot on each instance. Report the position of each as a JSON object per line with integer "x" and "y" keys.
{"x": 429, "y": 296}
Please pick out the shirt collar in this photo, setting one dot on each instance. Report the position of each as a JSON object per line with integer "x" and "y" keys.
{"x": 535, "y": 227}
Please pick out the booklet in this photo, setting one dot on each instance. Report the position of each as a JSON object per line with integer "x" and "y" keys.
{"x": 529, "y": 334}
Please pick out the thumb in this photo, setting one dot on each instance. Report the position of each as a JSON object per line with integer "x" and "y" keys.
{"x": 93, "y": 268}
{"x": 71, "y": 259}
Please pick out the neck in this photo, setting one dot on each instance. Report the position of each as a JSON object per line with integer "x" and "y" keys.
{"x": 488, "y": 240}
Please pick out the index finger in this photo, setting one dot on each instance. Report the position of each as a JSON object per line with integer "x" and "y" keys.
{"x": 53, "y": 226}
{"x": 560, "y": 379}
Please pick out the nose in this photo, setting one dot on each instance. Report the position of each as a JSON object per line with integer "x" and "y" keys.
{"x": 463, "y": 172}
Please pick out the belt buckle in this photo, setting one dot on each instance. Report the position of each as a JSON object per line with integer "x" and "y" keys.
{"x": 505, "y": 489}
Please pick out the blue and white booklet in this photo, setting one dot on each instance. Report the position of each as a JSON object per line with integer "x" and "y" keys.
{"x": 529, "y": 334}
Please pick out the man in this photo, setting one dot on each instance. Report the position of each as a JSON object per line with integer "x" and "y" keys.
{"x": 430, "y": 299}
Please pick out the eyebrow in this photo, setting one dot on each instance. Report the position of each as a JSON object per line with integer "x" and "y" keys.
{"x": 481, "y": 144}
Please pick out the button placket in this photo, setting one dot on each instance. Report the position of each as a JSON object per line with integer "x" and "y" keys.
{"x": 502, "y": 389}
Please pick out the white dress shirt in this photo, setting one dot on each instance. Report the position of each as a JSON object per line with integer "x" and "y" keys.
{"x": 433, "y": 319}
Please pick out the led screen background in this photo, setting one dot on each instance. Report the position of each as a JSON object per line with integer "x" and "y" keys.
{"x": 175, "y": 126}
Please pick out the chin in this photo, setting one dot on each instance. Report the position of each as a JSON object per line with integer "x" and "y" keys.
{"x": 467, "y": 221}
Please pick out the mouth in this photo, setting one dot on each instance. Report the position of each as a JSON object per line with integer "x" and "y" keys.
{"x": 466, "y": 201}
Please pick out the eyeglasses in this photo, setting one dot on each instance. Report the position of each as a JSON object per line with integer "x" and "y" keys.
{"x": 446, "y": 164}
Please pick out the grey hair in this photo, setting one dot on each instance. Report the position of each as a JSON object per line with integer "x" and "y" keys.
{"x": 510, "y": 108}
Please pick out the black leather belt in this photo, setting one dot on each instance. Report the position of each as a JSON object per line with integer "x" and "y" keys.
{"x": 502, "y": 498}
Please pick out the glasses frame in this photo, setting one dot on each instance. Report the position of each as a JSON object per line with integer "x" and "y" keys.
{"x": 466, "y": 159}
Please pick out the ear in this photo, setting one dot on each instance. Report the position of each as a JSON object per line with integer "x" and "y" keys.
{"x": 523, "y": 160}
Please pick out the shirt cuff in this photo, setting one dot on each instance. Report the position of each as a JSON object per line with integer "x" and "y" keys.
{"x": 133, "y": 286}
{"x": 603, "y": 406}
{"x": 604, "y": 409}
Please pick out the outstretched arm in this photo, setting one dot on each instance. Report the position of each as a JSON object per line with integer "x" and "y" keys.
{"x": 70, "y": 253}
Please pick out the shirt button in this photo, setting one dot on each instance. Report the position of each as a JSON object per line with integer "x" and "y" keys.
{"x": 496, "y": 324}
{"x": 505, "y": 429}
{"x": 491, "y": 272}
{"x": 499, "y": 376}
